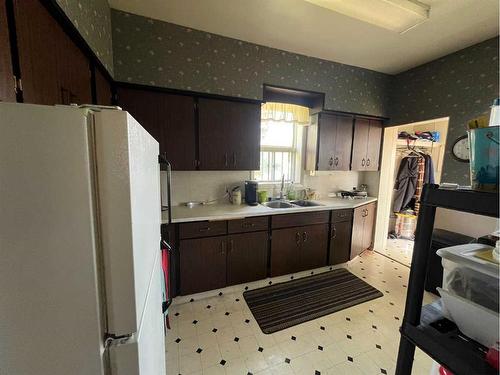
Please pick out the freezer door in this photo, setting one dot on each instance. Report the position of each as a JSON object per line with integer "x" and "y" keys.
{"x": 144, "y": 352}
{"x": 126, "y": 159}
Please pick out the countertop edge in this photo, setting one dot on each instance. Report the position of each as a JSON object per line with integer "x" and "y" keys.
{"x": 349, "y": 204}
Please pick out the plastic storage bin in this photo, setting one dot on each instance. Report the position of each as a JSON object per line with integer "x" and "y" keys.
{"x": 470, "y": 291}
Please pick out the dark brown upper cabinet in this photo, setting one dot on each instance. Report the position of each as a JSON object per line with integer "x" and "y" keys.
{"x": 7, "y": 82}
{"x": 366, "y": 145}
{"x": 329, "y": 142}
{"x": 169, "y": 118}
{"x": 229, "y": 135}
{"x": 53, "y": 69}
{"x": 102, "y": 89}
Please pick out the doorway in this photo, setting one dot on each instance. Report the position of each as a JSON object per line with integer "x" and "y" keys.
{"x": 396, "y": 216}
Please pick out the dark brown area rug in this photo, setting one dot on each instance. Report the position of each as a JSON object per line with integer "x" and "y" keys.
{"x": 284, "y": 305}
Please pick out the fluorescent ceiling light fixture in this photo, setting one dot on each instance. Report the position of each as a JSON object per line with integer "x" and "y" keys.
{"x": 395, "y": 15}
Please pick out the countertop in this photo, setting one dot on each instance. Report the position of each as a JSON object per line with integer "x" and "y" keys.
{"x": 227, "y": 211}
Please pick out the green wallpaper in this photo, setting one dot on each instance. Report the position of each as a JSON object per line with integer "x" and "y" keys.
{"x": 461, "y": 85}
{"x": 157, "y": 53}
{"x": 93, "y": 20}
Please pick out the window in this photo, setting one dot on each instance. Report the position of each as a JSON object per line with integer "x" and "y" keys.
{"x": 281, "y": 140}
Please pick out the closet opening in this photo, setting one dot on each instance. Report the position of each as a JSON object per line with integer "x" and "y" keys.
{"x": 412, "y": 155}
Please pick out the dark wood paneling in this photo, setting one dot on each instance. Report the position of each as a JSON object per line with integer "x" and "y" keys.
{"x": 103, "y": 89}
{"x": 360, "y": 145}
{"x": 247, "y": 257}
{"x": 203, "y": 264}
{"x": 202, "y": 229}
{"x": 37, "y": 44}
{"x": 313, "y": 250}
{"x": 343, "y": 144}
{"x": 298, "y": 219}
{"x": 326, "y": 141}
{"x": 249, "y": 224}
{"x": 285, "y": 244}
{"x": 373, "y": 149}
{"x": 7, "y": 83}
{"x": 340, "y": 242}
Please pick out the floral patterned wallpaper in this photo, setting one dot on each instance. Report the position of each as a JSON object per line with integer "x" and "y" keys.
{"x": 93, "y": 20}
{"x": 157, "y": 53}
{"x": 461, "y": 85}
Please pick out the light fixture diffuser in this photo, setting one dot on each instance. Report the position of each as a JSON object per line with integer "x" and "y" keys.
{"x": 395, "y": 15}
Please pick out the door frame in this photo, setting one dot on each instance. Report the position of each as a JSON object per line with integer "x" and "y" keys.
{"x": 386, "y": 181}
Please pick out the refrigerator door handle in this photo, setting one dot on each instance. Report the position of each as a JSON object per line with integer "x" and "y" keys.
{"x": 162, "y": 160}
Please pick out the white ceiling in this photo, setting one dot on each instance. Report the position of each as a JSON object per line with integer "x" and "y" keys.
{"x": 302, "y": 27}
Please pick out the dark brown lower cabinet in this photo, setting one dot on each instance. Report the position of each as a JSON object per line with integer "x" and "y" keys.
{"x": 246, "y": 257}
{"x": 362, "y": 228}
{"x": 202, "y": 264}
{"x": 340, "y": 241}
{"x": 298, "y": 248}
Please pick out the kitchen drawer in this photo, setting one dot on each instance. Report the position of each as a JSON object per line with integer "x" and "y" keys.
{"x": 202, "y": 229}
{"x": 299, "y": 219}
{"x": 248, "y": 224}
{"x": 341, "y": 215}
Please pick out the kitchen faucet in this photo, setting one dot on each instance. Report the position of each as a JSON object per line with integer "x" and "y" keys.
{"x": 282, "y": 187}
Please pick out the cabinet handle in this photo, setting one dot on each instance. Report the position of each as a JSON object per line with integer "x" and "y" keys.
{"x": 248, "y": 225}
{"x": 330, "y": 161}
{"x": 334, "y": 232}
{"x": 336, "y": 161}
{"x": 363, "y": 162}
{"x": 225, "y": 159}
{"x": 297, "y": 238}
{"x": 234, "y": 159}
{"x": 222, "y": 247}
{"x": 368, "y": 162}
{"x": 231, "y": 246}
{"x": 206, "y": 229}
{"x": 305, "y": 236}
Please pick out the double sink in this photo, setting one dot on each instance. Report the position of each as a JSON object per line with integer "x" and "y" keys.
{"x": 291, "y": 204}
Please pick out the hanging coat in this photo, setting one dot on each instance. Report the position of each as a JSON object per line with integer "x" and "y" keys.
{"x": 429, "y": 170}
{"x": 406, "y": 183}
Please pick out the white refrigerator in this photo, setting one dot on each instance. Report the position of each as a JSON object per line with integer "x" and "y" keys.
{"x": 80, "y": 262}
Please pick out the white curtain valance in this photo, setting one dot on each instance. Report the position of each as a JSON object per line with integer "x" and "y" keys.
{"x": 285, "y": 112}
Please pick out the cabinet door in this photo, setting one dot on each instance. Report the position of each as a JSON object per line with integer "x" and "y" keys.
{"x": 37, "y": 45}
{"x": 178, "y": 131}
{"x": 359, "y": 147}
{"x": 340, "y": 242}
{"x": 229, "y": 135}
{"x": 357, "y": 232}
{"x": 369, "y": 224}
{"x": 285, "y": 245}
{"x": 373, "y": 149}
{"x": 202, "y": 264}
{"x": 246, "y": 257}
{"x": 73, "y": 70}
{"x": 143, "y": 106}
{"x": 326, "y": 141}
{"x": 7, "y": 86}
{"x": 343, "y": 144}
{"x": 313, "y": 251}
{"x": 102, "y": 89}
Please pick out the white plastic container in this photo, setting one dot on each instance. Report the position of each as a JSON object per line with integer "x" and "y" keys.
{"x": 470, "y": 293}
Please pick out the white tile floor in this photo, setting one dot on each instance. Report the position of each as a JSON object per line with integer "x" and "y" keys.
{"x": 400, "y": 250}
{"x": 215, "y": 332}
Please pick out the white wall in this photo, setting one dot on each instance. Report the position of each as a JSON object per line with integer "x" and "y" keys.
{"x": 465, "y": 223}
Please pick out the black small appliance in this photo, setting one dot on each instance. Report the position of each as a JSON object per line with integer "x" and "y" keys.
{"x": 251, "y": 192}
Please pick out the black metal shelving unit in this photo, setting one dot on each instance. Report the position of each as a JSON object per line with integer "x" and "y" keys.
{"x": 424, "y": 326}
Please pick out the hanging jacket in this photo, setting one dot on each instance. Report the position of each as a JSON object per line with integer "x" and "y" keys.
{"x": 429, "y": 170}
{"x": 406, "y": 183}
